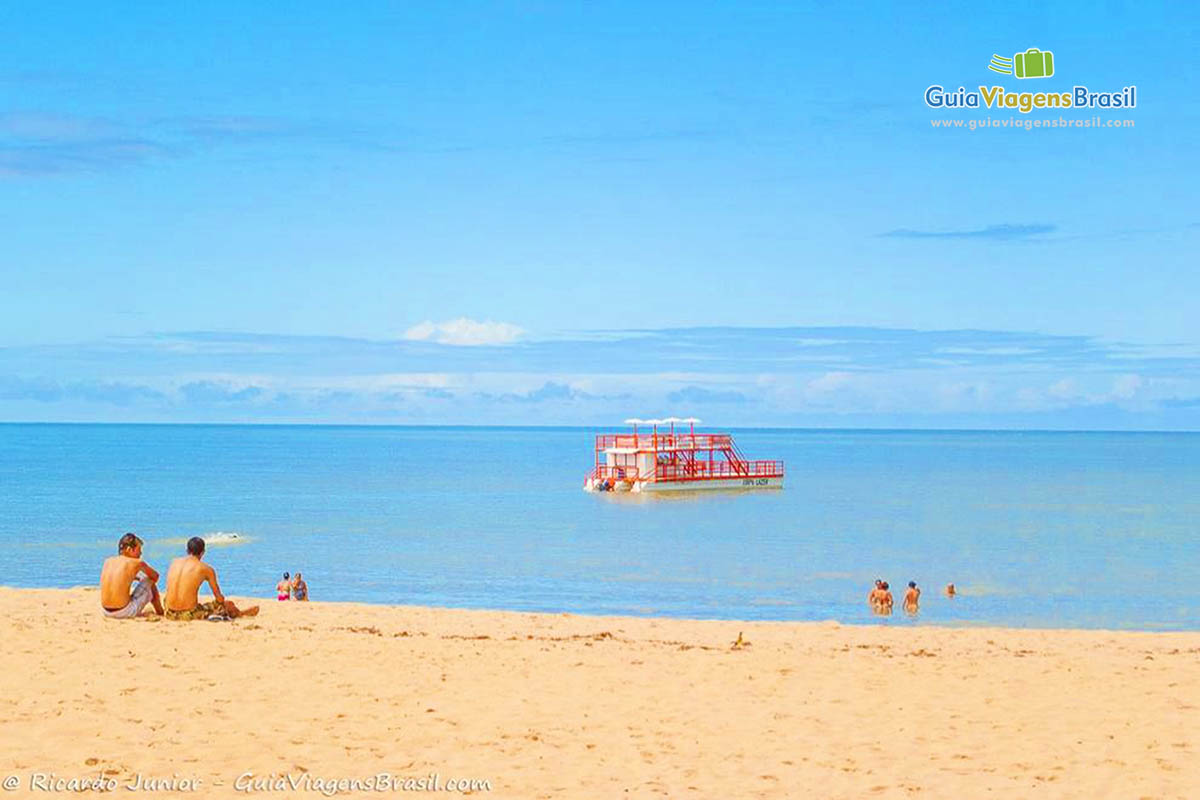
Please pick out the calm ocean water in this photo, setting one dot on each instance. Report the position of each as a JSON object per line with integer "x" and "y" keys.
{"x": 1036, "y": 529}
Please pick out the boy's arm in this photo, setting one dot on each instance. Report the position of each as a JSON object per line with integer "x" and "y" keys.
{"x": 212, "y": 584}
{"x": 149, "y": 571}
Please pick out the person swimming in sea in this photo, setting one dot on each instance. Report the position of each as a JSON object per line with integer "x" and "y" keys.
{"x": 873, "y": 596}
{"x": 883, "y": 600}
{"x": 912, "y": 598}
{"x": 283, "y": 589}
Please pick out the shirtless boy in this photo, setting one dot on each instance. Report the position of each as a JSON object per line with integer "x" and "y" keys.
{"x": 912, "y": 598}
{"x": 183, "y": 587}
{"x": 120, "y": 597}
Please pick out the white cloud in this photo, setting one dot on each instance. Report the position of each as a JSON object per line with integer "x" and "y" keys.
{"x": 962, "y": 395}
{"x": 1065, "y": 389}
{"x": 830, "y": 382}
{"x": 1126, "y": 386}
{"x": 464, "y": 332}
{"x": 988, "y": 351}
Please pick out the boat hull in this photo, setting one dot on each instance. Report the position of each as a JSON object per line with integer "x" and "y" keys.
{"x": 724, "y": 484}
{"x": 721, "y": 484}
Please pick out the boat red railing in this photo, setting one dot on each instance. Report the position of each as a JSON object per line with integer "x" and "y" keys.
{"x": 665, "y": 441}
{"x": 702, "y": 470}
{"x": 616, "y": 473}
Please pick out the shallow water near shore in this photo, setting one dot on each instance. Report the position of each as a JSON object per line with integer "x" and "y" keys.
{"x": 1035, "y": 529}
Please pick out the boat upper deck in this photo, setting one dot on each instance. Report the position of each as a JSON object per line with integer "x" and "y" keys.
{"x": 662, "y": 442}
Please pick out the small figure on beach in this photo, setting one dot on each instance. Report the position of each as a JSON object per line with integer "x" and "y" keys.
{"x": 912, "y": 598}
{"x": 950, "y": 590}
{"x": 299, "y": 588}
{"x": 120, "y": 597}
{"x": 283, "y": 589}
{"x": 184, "y": 578}
{"x": 740, "y": 642}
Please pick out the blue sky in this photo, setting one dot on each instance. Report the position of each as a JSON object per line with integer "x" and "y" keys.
{"x": 535, "y": 212}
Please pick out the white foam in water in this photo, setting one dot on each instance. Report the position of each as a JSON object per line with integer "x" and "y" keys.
{"x": 223, "y": 537}
{"x": 213, "y": 538}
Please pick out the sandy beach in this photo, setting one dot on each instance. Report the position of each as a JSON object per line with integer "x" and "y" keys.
{"x": 561, "y": 706}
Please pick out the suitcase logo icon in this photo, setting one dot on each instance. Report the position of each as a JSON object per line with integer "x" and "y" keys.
{"x": 1033, "y": 63}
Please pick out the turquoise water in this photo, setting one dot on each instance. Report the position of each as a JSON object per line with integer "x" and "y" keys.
{"x": 1036, "y": 529}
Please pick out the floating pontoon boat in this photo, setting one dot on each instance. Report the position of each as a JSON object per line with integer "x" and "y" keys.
{"x": 666, "y": 461}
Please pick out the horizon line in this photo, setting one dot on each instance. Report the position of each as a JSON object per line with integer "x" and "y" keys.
{"x": 588, "y": 427}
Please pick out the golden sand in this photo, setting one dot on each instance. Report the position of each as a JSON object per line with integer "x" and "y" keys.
{"x": 563, "y": 706}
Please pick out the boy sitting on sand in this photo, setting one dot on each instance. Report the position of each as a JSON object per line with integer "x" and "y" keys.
{"x": 118, "y": 599}
{"x": 183, "y": 586}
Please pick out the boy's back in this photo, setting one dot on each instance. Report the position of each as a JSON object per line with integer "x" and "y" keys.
{"x": 116, "y": 576}
{"x": 183, "y": 582}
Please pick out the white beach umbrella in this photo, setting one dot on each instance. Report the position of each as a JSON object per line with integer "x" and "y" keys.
{"x": 672, "y": 421}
